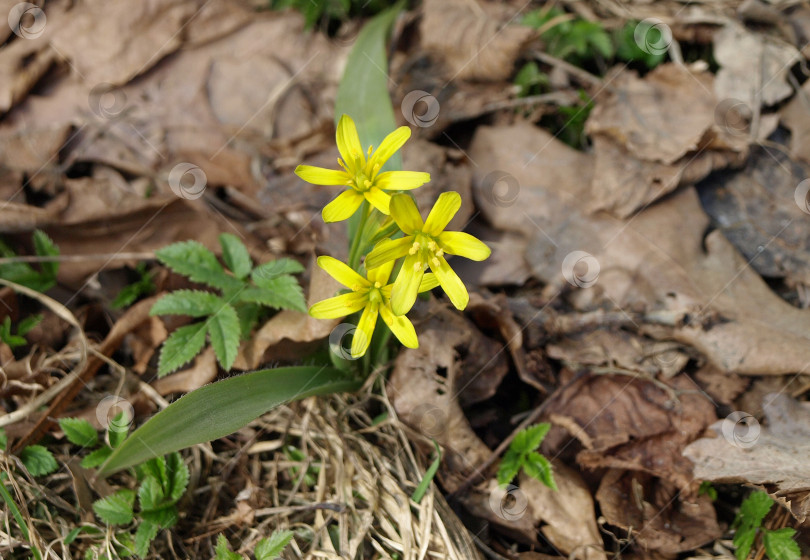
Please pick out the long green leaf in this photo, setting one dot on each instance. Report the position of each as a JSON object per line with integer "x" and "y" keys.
{"x": 219, "y": 409}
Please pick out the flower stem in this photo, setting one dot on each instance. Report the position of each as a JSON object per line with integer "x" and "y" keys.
{"x": 354, "y": 250}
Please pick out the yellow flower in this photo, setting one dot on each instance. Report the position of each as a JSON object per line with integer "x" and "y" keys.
{"x": 362, "y": 175}
{"x": 423, "y": 247}
{"x": 372, "y": 295}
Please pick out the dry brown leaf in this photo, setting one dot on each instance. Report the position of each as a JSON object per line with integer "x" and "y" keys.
{"x": 773, "y": 456}
{"x": 753, "y": 66}
{"x": 474, "y": 39}
{"x": 657, "y": 263}
{"x": 144, "y": 341}
{"x": 796, "y": 116}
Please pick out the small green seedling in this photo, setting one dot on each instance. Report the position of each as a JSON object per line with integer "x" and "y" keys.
{"x": 22, "y": 273}
{"x": 36, "y": 458}
{"x": 522, "y": 454}
{"x": 569, "y": 38}
{"x": 266, "y": 549}
{"x": 141, "y": 287}
{"x": 779, "y": 544}
{"x": 627, "y": 48}
{"x": 13, "y": 340}
{"x": 229, "y": 317}
{"x": 706, "y": 489}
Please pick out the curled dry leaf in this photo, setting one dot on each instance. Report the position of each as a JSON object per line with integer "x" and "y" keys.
{"x": 796, "y": 117}
{"x": 657, "y": 263}
{"x": 475, "y": 40}
{"x": 773, "y": 456}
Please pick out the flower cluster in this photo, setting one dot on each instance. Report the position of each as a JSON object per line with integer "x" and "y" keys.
{"x": 421, "y": 249}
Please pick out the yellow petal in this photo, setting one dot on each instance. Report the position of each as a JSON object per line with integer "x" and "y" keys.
{"x": 321, "y": 176}
{"x": 348, "y": 142}
{"x": 451, "y": 283}
{"x": 401, "y": 180}
{"x": 382, "y": 273}
{"x": 405, "y": 213}
{"x": 379, "y": 199}
{"x": 401, "y": 327}
{"x": 443, "y": 211}
{"x": 463, "y": 244}
{"x": 339, "y": 306}
{"x": 389, "y": 146}
{"x": 429, "y": 281}
{"x": 342, "y": 272}
{"x": 406, "y": 286}
{"x": 365, "y": 329}
{"x": 343, "y": 206}
{"x": 388, "y": 250}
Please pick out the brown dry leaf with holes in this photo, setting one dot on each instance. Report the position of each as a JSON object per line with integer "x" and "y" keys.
{"x": 753, "y": 66}
{"x": 475, "y": 40}
{"x": 773, "y": 456}
{"x": 698, "y": 291}
{"x": 423, "y": 390}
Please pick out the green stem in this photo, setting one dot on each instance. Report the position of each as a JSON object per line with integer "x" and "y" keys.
{"x": 356, "y": 246}
{"x": 6, "y": 496}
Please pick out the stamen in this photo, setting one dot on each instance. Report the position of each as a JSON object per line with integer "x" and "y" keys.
{"x": 440, "y": 253}
{"x": 435, "y": 261}
{"x": 417, "y": 266}
{"x": 432, "y": 245}
{"x": 377, "y": 285}
{"x": 370, "y": 148}
{"x": 414, "y": 248}
{"x": 357, "y": 288}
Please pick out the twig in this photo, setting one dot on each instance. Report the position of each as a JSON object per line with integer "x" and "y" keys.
{"x": 578, "y": 73}
{"x": 78, "y": 258}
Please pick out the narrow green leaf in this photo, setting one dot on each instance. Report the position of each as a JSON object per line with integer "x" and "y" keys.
{"x": 270, "y": 270}
{"x": 223, "y": 329}
{"x": 282, "y": 292}
{"x": 363, "y": 90}
{"x": 79, "y": 431}
{"x": 271, "y": 548}
{"x": 235, "y": 255}
{"x": 116, "y": 509}
{"x": 779, "y": 544}
{"x": 96, "y": 458}
{"x": 424, "y": 484}
{"x": 38, "y": 460}
{"x": 192, "y": 259}
{"x": 146, "y": 533}
{"x": 221, "y": 408}
{"x": 3, "y": 439}
{"x": 195, "y": 303}
{"x": 223, "y": 550}
{"x": 181, "y": 346}
{"x": 118, "y": 428}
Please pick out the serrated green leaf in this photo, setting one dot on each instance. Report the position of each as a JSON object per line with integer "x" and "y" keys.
{"x": 281, "y": 292}
{"x": 195, "y": 303}
{"x": 96, "y": 458}
{"x": 223, "y": 329}
{"x": 178, "y": 474}
{"x": 272, "y": 269}
{"x": 221, "y": 408}
{"x": 150, "y": 494}
{"x": 144, "y": 536}
{"x": 248, "y": 317}
{"x": 116, "y": 509}
{"x": 509, "y": 467}
{"x": 235, "y": 255}
{"x": 753, "y": 510}
{"x": 79, "y": 431}
{"x": 530, "y": 438}
{"x": 223, "y": 550}
{"x": 181, "y": 346}
{"x": 539, "y": 467}
{"x": 192, "y": 259}
{"x": 164, "y": 517}
{"x": 271, "y": 548}
{"x": 45, "y": 247}
{"x": 779, "y": 544}
{"x": 743, "y": 541}
{"x": 38, "y": 460}
{"x": 156, "y": 468}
